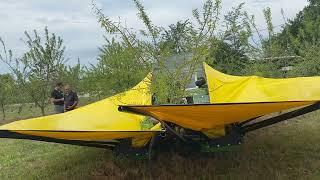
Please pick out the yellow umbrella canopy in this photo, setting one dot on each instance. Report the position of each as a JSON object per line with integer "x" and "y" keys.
{"x": 95, "y": 122}
{"x": 233, "y": 99}
{"x": 236, "y": 99}
{"x": 224, "y": 88}
{"x": 202, "y": 117}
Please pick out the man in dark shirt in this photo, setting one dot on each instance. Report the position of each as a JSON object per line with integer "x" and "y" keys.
{"x": 57, "y": 98}
{"x": 70, "y": 98}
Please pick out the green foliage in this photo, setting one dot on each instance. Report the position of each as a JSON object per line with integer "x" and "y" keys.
{"x": 226, "y": 59}
{"x": 228, "y": 52}
{"x": 167, "y": 87}
{"x": 304, "y": 28}
{"x": 42, "y": 64}
{"x": 39, "y": 67}
{"x": 8, "y": 93}
{"x": 7, "y": 85}
{"x": 237, "y": 30}
{"x": 299, "y": 39}
{"x": 192, "y": 39}
{"x": 310, "y": 63}
{"x": 118, "y": 69}
{"x": 263, "y": 69}
{"x": 267, "y": 16}
{"x": 73, "y": 75}
{"x": 152, "y": 29}
{"x": 173, "y": 54}
{"x": 92, "y": 83}
{"x": 153, "y": 51}
{"x": 178, "y": 37}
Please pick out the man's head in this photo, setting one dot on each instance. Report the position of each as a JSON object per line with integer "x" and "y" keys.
{"x": 59, "y": 86}
{"x": 67, "y": 88}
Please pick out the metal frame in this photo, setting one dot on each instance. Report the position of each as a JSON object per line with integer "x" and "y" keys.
{"x": 282, "y": 117}
{"x": 164, "y": 124}
{"x": 242, "y": 128}
{"x": 97, "y": 144}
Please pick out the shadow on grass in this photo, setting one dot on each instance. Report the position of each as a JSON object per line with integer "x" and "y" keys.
{"x": 280, "y": 152}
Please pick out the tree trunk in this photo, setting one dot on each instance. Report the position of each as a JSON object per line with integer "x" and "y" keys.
{"x": 3, "y": 112}
{"x": 41, "y": 106}
{"x": 42, "y": 110}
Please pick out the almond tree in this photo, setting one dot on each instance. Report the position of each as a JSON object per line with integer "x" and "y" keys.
{"x": 151, "y": 48}
{"x": 7, "y": 82}
{"x": 39, "y": 67}
{"x": 7, "y": 85}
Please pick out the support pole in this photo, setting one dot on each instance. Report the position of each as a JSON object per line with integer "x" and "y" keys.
{"x": 173, "y": 131}
{"x": 280, "y": 118}
{"x": 97, "y": 144}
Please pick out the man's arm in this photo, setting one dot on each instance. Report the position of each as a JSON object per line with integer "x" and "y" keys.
{"x": 73, "y": 105}
{"x": 56, "y": 100}
{"x": 53, "y": 98}
{"x": 76, "y": 100}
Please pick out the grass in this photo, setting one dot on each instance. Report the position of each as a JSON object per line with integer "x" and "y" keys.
{"x": 288, "y": 150}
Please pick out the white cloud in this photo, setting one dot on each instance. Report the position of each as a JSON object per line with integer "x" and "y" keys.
{"x": 75, "y": 22}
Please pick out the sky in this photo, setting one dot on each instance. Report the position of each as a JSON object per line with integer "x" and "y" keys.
{"x": 75, "y": 22}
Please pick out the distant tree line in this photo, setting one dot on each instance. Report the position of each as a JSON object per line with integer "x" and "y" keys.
{"x": 231, "y": 43}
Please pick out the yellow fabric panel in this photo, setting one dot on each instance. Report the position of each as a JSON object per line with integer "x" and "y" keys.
{"x": 142, "y": 140}
{"x": 156, "y": 127}
{"x": 217, "y": 131}
{"x": 89, "y": 135}
{"x": 99, "y": 120}
{"x": 225, "y": 88}
{"x": 208, "y": 116}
